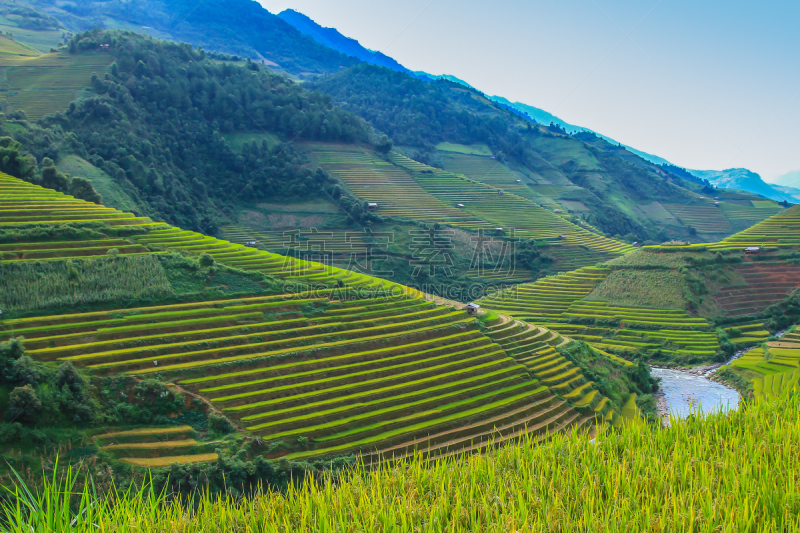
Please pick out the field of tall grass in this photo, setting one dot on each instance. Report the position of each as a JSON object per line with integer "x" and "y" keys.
{"x": 726, "y": 473}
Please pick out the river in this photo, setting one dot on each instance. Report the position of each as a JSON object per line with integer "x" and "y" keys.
{"x": 690, "y": 391}
{"x": 685, "y": 393}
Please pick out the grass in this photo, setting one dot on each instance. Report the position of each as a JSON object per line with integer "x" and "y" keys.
{"x": 37, "y": 285}
{"x": 238, "y": 140}
{"x": 732, "y": 472}
{"x": 474, "y": 149}
{"x": 642, "y": 288}
{"x": 113, "y": 195}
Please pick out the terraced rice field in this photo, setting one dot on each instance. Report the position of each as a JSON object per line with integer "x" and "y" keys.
{"x": 772, "y": 369}
{"x": 751, "y": 333}
{"x": 670, "y": 342}
{"x": 705, "y": 218}
{"x": 488, "y": 170}
{"x": 778, "y": 231}
{"x": 781, "y": 230}
{"x": 547, "y": 298}
{"x": 333, "y": 241}
{"x": 505, "y": 209}
{"x": 156, "y": 446}
{"x": 557, "y": 303}
{"x": 380, "y": 375}
{"x": 391, "y": 187}
{"x": 311, "y": 373}
{"x": 22, "y": 203}
{"x": 575, "y": 257}
{"x": 734, "y": 212}
{"x": 25, "y": 203}
{"x": 403, "y": 187}
{"x": 48, "y": 83}
{"x": 534, "y": 347}
{"x": 766, "y": 283}
{"x": 39, "y": 251}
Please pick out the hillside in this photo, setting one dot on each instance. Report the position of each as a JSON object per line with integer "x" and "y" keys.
{"x": 241, "y": 28}
{"x": 667, "y": 302}
{"x": 172, "y": 162}
{"x": 448, "y": 126}
{"x": 202, "y": 338}
{"x": 768, "y": 371}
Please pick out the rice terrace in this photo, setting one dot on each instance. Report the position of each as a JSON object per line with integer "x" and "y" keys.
{"x": 255, "y": 276}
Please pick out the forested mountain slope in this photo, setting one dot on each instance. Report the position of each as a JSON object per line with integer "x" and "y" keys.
{"x": 155, "y": 123}
{"x": 239, "y": 27}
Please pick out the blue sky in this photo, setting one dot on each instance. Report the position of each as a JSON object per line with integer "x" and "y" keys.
{"x": 707, "y": 84}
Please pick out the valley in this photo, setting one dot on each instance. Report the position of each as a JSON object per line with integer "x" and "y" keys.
{"x": 248, "y": 266}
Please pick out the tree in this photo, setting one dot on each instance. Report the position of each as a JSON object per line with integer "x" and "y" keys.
{"x": 384, "y": 145}
{"x": 52, "y": 178}
{"x": 82, "y": 188}
{"x": 24, "y": 406}
{"x": 9, "y": 353}
{"x": 206, "y": 260}
{"x": 24, "y": 371}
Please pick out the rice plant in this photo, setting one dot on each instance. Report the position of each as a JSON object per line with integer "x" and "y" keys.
{"x": 731, "y": 472}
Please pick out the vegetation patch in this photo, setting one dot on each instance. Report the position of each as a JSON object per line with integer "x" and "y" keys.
{"x": 28, "y": 286}
{"x": 643, "y": 288}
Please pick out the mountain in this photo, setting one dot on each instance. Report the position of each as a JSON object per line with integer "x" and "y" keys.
{"x": 744, "y": 180}
{"x": 238, "y": 27}
{"x": 543, "y": 117}
{"x": 790, "y": 179}
{"x": 331, "y": 38}
{"x": 791, "y": 191}
{"x": 447, "y": 125}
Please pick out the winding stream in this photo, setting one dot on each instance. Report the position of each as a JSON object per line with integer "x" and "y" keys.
{"x": 685, "y": 392}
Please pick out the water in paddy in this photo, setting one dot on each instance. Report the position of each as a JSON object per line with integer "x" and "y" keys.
{"x": 685, "y": 393}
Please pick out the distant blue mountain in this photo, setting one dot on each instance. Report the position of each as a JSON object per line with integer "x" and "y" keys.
{"x": 744, "y": 180}
{"x": 331, "y": 38}
{"x": 791, "y": 179}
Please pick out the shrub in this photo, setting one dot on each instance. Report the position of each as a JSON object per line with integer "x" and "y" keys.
{"x": 156, "y": 399}
{"x": 220, "y": 424}
{"x": 206, "y": 260}
{"x": 24, "y": 406}
{"x": 25, "y": 371}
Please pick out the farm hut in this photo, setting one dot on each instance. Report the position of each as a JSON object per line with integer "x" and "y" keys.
{"x": 716, "y": 203}
{"x": 250, "y": 243}
{"x": 501, "y": 191}
{"x": 556, "y": 210}
{"x": 472, "y": 308}
{"x": 460, "y": 206}
{"x": 519, "y": 181}
{"x": 372, "y": 205}
{"x": 562, "y": 237}
{"x": 752, "y": 250}
{"x": 499, "y": 230}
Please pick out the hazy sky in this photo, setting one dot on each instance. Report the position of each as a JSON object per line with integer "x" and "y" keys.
{"x": 707, "y": 84}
